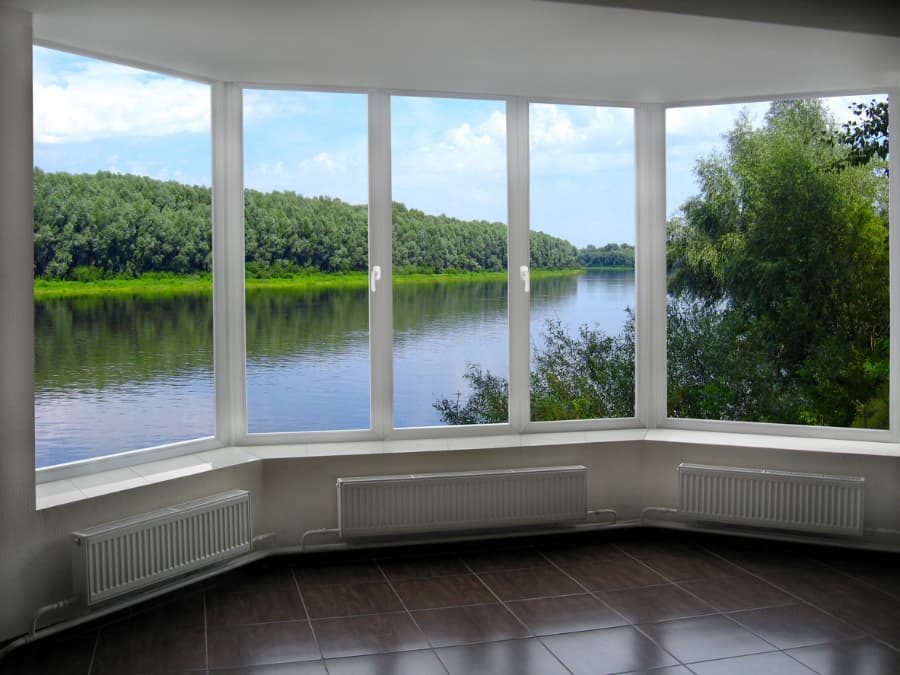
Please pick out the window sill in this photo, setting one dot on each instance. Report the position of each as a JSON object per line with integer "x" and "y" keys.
{"x": 63, "y": 491}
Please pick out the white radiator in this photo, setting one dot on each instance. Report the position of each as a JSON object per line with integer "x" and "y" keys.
{"x": 774, "y": 499}
{"x": 461, "y": 501}
{"x": 126, "y": 555}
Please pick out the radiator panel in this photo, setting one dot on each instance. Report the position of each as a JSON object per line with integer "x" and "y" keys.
{"x": 775, "y": 499}
{"x": 461, "y": 501}
{"x": 127, "y": 555}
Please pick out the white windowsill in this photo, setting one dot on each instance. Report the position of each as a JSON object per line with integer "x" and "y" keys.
{"x": 77, "y": 488}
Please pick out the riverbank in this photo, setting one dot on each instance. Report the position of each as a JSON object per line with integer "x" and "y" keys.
{"x": 153, "y": 285}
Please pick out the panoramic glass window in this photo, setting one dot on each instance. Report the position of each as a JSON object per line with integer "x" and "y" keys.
{"x": 582, "y": 262}
{"x": 451, "y": 343}
{"x": 306, "y": 252}
{"x": 778, "y": 300}
{"x": 122, "y": 259}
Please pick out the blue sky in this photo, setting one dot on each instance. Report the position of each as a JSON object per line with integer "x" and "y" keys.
{"x": 448, "y": 155}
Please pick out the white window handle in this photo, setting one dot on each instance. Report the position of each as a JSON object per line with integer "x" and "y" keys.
{"x": 526, "y": 277}
{"x": 374, "y": 276}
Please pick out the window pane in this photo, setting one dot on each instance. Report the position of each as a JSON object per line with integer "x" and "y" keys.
{"x": 122, "y": 259}
{"x": 778, "y": 262}
{"x": 450, "y": 257}
{"x": 306, "y": 251}
{"x": 582, "y": 262}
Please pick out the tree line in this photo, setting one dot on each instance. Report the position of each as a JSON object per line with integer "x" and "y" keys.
{"x": 90, "y": 226}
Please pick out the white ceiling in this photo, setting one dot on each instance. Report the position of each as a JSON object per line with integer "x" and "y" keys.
{"x": 528, "y": 47}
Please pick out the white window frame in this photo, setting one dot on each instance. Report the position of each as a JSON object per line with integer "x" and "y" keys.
{"x": 650, "y": 301}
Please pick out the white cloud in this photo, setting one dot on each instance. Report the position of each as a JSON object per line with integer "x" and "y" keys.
{"x": 469, "y": 148}
{"x": 94, "y": 100}
{"x": 325, "y": 162}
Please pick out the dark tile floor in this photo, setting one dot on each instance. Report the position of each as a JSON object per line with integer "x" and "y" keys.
{"x": 612, "y": 602}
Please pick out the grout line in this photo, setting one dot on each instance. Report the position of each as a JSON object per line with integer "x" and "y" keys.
{"x": 861, "y": 580}
{"x": 94, "y": 652}
{"x": 514, "y": 615}
{"x": 205, "y": 633}
{"x": 308, "y": 619}
{"x": 411, "y": 617}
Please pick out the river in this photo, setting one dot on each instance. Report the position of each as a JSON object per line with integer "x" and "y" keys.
{"x": 122, "y": 373}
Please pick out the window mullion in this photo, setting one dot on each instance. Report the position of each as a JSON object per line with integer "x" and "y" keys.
{"x": 650, "y": 264}
{"x": 228, "y": 262}
{"x": 518, "y": 256}
{"x": 380, "y": 238}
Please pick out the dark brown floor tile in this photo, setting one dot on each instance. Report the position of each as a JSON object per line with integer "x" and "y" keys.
{"x": 422, "y": 568}
{"x": 261, "y": 607}
{"x": 447, "y": 591}
{"x": 498, "y": 561}
{"x": 261, "y": 644}
{"x": 565, "y": 614}
{"x": 256, "y": 579}
{"x": 732, "y": 594}
{"x": 670, "y": 670}
{"x": 615, "y": 575}
{"x": 131, "y": 647}
{"x": 468, "y": 625}
{"x": 339, "y": 573}
{"x": 180, "y": 609}
{"x": 773, "y": 663}
{"x": 398, "y": 663}
{"x": 764, "y": 558}
{"x": 876, "y": 569}
{"x": 371, "y": 634}
{"x": 704, "y": 638}
{"x": 859, "y": 604}
{"x": 655, "y": 603}
{"x": 586, "y": 554}
{"x": 294, "y": 668}
{"x": 68, "y": 653}
{"x": 350, "y": 599}
{"x": 522, "y": 657}
{"x": 613, "y": 650}
{"x": 864, "y": 656}
{"x": 795, "y": 626}
{"x": 681, "y": 562}
{"x": 535, "y": 582}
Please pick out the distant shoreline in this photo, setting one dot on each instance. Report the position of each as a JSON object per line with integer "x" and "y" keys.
{"x": 163, "y": 285}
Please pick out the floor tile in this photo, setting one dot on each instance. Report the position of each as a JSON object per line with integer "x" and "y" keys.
{"x": 399, "y": 663}
{"x": 131, "y": 647}
{"x": 655, "y": 603}
{"x": 522, "y": 657}
{"x": 584, "y": 554}
{"x": 443, "y": 591}
{"x": 876, "y": 569}
{"x": 262, "y": 607}
{"x": 704, "y": 638}
{"x": 565, "y": 614}
{"x": 795, "y": 626}
{"x": 498, "y": 561}
{"x": 613, "y": 650}
{"x": 613, "y": 575}
{"x": 422, "y": 568}
{"x": 731, "y": 594}
{"x": 535, "y": 582}
{"x": 293, "y": 668}
{"x": 350, "y": 599}
{"x": 372, "y": 634}
{"x": 468, "y": 625}
{"x": 340, "y": 573}
{"x": 669, "y": 670}
{"x": 64, "y": 654}
{"x": 260, "y": 644}
{"x": 772, "y": 663}
{"x": 257, "y": 579}
{"x": 864, "y": 656}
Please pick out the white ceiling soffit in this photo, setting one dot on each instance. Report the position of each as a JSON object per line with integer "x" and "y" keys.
{"x": 528, "y": 47}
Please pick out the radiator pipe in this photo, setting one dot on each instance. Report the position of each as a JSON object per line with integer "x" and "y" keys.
{"x": 321, "y": 530}
{"x": 53, "y": 606}
{"x": 600, "y": 512}
{"x": 655, "y": 509}
{"x": 261, "y": 538}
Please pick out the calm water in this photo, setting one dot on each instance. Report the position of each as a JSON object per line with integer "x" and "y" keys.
{"x": 116, "y": 374}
